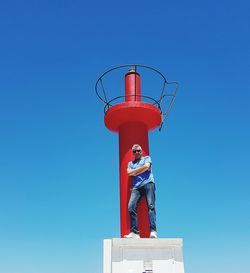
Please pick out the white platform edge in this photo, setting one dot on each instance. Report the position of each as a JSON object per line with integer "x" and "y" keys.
{"x": 177, "y": 242}
{"x": 107, "y": 253}
{"x": 109, "y": 244}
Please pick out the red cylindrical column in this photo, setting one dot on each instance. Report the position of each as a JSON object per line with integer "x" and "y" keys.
{"x": 132, "y": 120}
{"x": 132, "y": 86}
{"x": 129, "y": 134}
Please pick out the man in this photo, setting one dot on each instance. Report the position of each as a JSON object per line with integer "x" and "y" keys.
{"x": 143, "y": 185}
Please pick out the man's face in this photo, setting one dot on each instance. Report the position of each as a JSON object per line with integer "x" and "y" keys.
{"x": 137, "y": 153}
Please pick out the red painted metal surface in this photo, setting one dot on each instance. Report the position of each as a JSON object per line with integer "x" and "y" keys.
{"x": 132, "y": 86}
{"x": 132, "y": 120}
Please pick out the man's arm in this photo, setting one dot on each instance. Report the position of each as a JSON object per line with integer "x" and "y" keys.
{"x": 142, "y": 169}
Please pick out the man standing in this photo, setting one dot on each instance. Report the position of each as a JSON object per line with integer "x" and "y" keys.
{"x": 143, "y": 185}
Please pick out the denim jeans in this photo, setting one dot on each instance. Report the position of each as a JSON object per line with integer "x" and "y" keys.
{"x": 148, "y": 191}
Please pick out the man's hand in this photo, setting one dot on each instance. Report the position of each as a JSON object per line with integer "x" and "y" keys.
{"x": 142, "y": 169}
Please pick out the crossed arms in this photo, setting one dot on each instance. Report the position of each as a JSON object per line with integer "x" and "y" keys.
{"x": 139, "y": 170}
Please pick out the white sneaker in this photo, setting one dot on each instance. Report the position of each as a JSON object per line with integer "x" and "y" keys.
{"x": 153, "y": 234}
{"x": 132, "y": 235}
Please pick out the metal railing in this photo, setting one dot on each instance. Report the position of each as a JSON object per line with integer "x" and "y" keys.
{"x": 99, "y": 88}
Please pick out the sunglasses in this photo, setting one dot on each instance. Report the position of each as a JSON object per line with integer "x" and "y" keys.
{"x": 136, "y": 151}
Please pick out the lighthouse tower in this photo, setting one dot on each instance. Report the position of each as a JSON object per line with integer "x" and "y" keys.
{"x": 132, "y": 119}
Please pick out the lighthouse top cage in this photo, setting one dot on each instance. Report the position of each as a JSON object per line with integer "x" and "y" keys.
{"x": 156, "y": 90}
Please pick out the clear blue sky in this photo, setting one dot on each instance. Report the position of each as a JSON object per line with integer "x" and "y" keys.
{"x": 59, "y": 194}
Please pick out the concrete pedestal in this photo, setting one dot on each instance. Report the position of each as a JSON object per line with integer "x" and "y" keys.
{"x": 143, "y": 256}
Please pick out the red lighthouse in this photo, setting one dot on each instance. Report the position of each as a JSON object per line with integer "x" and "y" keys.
{"x": 132, "y": 119}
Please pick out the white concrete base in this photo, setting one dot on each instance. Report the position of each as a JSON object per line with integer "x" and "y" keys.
{"x": 142, "y": 256}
